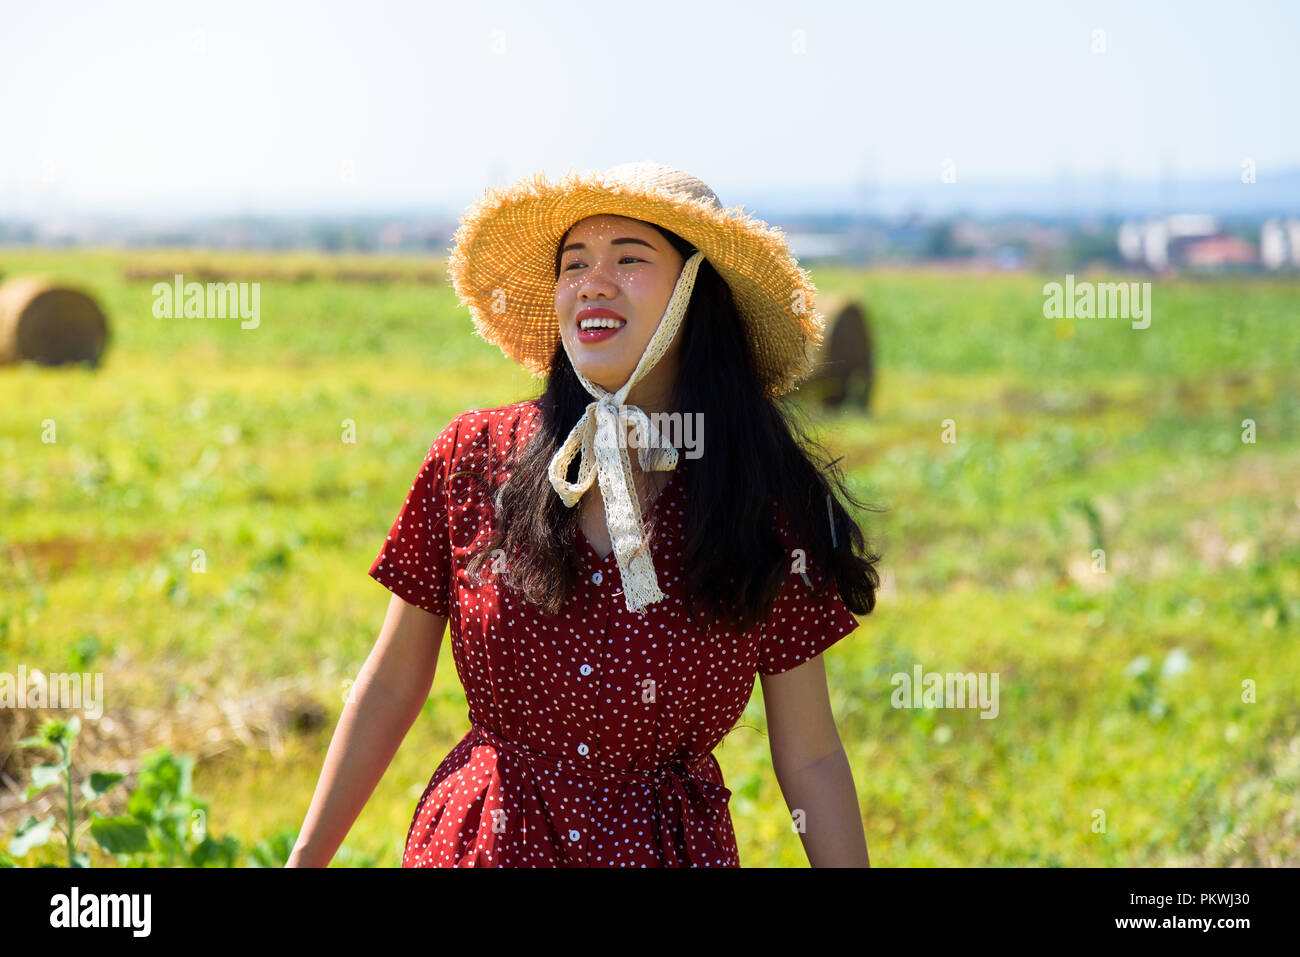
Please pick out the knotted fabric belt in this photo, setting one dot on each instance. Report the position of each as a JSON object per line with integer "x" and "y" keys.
{"x": 691, "y": 807}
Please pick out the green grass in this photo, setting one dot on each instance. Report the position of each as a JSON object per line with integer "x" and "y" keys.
{"x": 1070, "y": 436}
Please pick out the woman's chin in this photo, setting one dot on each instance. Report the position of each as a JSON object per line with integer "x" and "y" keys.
{"x": 603, "y": 375}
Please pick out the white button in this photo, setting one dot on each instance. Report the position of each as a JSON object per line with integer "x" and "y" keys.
{"x": 583, "y": 749}
{"x": 585, "y": 669}
{"x": 597, "y": 577}
{"x": 574, "y": 835}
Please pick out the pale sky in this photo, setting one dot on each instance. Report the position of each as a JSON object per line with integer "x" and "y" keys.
{"x": 262, "y": 107}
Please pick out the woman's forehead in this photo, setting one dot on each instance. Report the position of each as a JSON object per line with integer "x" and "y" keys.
{"x": 602, "y": 222}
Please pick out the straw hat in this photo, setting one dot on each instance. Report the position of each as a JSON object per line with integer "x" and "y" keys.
{"x": 502, "y": 264}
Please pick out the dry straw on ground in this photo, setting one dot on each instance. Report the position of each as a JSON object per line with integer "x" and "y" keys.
{"x": 203, "y": 724}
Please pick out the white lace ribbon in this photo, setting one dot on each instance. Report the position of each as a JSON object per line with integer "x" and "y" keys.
{"x": 600, "y": 436}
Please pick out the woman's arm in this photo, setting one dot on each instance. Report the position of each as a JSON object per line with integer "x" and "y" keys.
{"x": 811, "y": 766}
{"x": 385, "y": 700}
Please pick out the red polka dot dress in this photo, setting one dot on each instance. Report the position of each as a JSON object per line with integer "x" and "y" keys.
{"x": 591, "y": 731}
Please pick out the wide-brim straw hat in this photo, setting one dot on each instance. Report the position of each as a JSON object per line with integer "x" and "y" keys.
{"x": 502, "y": 263}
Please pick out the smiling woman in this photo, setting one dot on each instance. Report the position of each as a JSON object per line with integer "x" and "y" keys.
{"x": 599, "y": 682}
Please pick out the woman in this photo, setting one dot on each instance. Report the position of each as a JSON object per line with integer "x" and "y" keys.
{"x": 607, "y": 620}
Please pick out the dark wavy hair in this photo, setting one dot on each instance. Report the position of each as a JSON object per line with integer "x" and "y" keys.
{"x": 734, "y": 558}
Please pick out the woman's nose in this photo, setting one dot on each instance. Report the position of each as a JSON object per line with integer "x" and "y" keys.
{"x": 594, "y": 283}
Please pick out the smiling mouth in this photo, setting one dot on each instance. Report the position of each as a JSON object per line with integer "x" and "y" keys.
{"x": 598, "y": 333}
{"x": 600, "y": 322}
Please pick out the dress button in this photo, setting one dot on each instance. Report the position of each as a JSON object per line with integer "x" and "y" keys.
{"x": 585, "y": 669}
{"x": 583, "y": 749}
{"x": 597, "y": 577}
{"x": 574, "y": 835}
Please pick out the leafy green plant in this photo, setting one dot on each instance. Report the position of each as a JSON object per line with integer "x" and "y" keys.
{"x": 1148, "y": 695}
{"x": 84, "y": 651}
{"x": 109, "y": 832}
{"x": 174, "y": 818}
{"x": 165, "y": 824}
{"x": 1093, "y": 517}
{"x": 273, "y": 852}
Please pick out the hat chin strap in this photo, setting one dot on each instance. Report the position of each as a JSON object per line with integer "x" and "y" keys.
{"x": 600, "y": 436}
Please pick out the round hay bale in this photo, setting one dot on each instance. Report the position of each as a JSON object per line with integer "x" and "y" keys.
{"x": 844, "y": 367}
{"x": 49, "y": 324}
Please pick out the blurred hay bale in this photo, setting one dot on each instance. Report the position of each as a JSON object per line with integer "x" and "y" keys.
{"x": 49, "y": 324}
{"x": 844, "y": 368}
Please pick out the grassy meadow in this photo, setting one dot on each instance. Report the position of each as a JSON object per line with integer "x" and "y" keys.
{"x": 1126, "y": 692}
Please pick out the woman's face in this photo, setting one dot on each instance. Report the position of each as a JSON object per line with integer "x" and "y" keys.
{"x": 625, "y": 266}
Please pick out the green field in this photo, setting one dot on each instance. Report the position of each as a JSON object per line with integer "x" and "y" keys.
{"x": 1071, "y": 436}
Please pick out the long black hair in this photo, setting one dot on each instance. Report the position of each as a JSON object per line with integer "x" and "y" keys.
{"x": 758, "y": 450}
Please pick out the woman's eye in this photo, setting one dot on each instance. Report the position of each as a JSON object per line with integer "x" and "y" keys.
{"x": 621, "y": 258}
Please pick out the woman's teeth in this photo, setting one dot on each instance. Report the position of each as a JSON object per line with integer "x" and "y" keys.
{"x": 602, "y": 322}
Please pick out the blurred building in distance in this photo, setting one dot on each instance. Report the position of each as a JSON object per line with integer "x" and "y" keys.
{"x": 1203, "y": 242}
{"x": 1279, "y": 243}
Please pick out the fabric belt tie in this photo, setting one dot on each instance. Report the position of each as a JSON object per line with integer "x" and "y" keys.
{"x": 690, "y": 807}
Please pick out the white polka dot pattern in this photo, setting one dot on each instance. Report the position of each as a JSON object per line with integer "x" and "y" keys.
{"x": 591, "y": 731}
{"x": 801, "y": 624}
{"x": 415, "y": 562}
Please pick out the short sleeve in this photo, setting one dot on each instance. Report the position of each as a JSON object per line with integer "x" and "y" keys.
{"x": 802, "y": 624}
{"x": 415, "y": 560}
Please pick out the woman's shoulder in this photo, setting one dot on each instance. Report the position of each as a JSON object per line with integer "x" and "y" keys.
{"x": 498, "y": 417}
{"x": 498, "y": 428}
{"x": 496, "y": 413}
